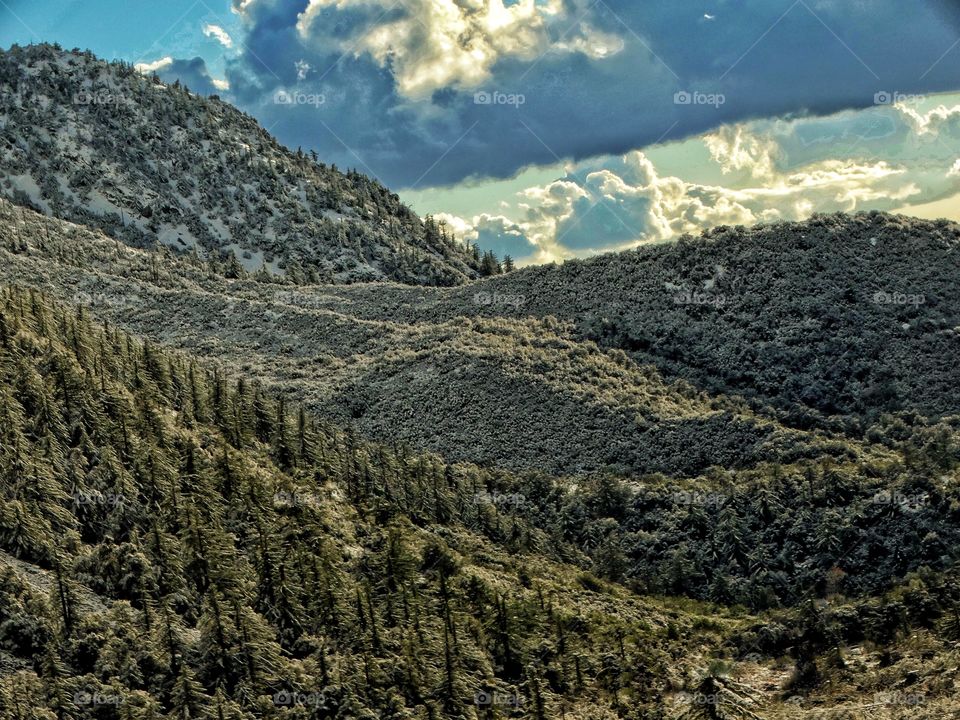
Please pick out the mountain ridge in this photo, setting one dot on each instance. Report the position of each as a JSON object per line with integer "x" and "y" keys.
{"x": 151, "y": 164}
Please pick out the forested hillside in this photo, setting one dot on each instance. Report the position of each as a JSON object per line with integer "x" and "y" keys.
{"x": 273, "y": 447}
{"x": 201, "y": 550}
{"x": 426, "y": 366}
{"x": 150, "y": 164}
{"x": 180, "y": 544}
{"x": 850, "y": 316}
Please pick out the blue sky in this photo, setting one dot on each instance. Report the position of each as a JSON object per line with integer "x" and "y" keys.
{"x": 555, "y": 128}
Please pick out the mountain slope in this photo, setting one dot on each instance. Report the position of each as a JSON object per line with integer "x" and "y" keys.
{"x": 850, "y": 316}
{"x": 99, "y": 144}
{"x": 186, "y": 547}
{"x": 520, "y": 370}
{"x": 405, "y": 364}
{"x": 177, "y": 544}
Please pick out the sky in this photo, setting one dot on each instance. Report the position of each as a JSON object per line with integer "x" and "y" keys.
{"x": 549, "y": 129}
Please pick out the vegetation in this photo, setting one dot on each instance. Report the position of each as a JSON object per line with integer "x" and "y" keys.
{"x": 202, "y": 549}
{"x": 428, "y": 367}
{"x": 102, "y": 145}
{"x": 833, "y": 322}
{"x": 711, "y": 479}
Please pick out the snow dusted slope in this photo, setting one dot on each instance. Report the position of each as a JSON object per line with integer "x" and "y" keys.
{"x": 100, "y": 144}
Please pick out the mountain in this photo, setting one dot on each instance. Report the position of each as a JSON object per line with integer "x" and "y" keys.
{"x": 841, "y": 316}
{"x": 150, "y": 164}
{"x": 429, "y": 367}
{"x": 178, "y": 544}
{"x": 587, "y": 366}
{"x": 710, "y": 478}
{"x": 532, "y": 395}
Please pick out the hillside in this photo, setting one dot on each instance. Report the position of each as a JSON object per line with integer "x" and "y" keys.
{"x": 848, "y": 316}
{"x": 175, "y": 543}
{"x": 543, "y": 368}
{"x": 831, "y": 322}
{"x": 412, "y": 365}
{"x": 101, "y": 145}
{"x": 187, "y": 547}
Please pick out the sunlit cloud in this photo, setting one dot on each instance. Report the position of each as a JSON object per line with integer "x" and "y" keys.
{"x": 155, "y": 66}
{"x": 776, "y": 172}
{"x": 430, "y": 45}
{"x": 219, "y": 34}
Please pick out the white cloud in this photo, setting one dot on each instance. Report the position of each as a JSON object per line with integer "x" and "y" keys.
{"x": 151, "y": 67}
{"x": 438, "y": 44}
{"x": 218, "y": 34}
{"x": 734, "y": 149}
{"x": 772, "y": 170}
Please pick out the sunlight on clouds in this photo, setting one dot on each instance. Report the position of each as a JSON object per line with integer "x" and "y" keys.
{"x": 733, "y": 149}
{"x": 436, "y": 44}
{"x": 151, "y": 67}
{"x": 219, "y": 34}
{"x": 777, "y": 170}
{"x": 935, "y": 121}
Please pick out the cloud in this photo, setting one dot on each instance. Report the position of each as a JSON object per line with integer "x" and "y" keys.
{"x": 734, "y": 149}
{"x": 155, "y": 66}
{"x": 219, "y": 34}
{"x": 192, "y": 73}
{"x": 776, "y": 170}
{"x": 437, "y": 44}
{"x": 596, "y": 78}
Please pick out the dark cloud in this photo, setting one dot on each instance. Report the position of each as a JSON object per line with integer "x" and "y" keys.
{"x": 192, "y": 73}
{"x": 950, "y": 10}
{"x": 578, "y": 102}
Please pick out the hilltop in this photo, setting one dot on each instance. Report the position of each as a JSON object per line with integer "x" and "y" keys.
{"x": 98, "y": 143}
